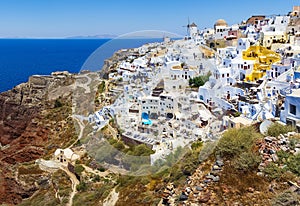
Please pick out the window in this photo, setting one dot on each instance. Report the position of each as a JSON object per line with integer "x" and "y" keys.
{"x": 293, "y": 109}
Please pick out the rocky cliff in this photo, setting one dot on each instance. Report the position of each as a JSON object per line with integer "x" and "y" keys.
{"x": 28, "y": 129}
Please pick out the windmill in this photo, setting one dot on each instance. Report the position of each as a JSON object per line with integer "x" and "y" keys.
{"x": 187, "y": 27}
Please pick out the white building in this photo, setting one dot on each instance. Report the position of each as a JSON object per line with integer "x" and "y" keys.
{"x": 175, "y": 71}
{"x": 221, "y": 29}
{"x": 291, "y": 112}
{"x": 277, "y": 69}
{"x": 243, "y": 44}
{"x": 65, "y": 155}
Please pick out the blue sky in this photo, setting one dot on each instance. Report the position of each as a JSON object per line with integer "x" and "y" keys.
{"x": 61, "y": 18}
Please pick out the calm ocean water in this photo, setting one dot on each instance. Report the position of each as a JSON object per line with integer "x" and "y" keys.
{"x": 21, "y": 58}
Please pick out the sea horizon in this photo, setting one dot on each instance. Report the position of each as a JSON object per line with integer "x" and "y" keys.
{"x": 22, "y": 58}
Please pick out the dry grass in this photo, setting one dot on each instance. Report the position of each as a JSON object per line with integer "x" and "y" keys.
{"x": 28, "y": 170}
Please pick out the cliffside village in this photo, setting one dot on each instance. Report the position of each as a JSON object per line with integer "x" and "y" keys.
{"x": 254, "y": 70}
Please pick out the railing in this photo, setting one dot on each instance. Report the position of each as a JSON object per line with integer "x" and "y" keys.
{"x": 285, "y": 91}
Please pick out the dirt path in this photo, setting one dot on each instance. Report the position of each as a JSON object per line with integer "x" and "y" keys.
{"x": 74, "y": 181}
{"x": 50, "y": 166}
{"x": 112, "y": 198}
{"x": 95, "y": 172}
{"x": 84, "y": 85}
{"x": 81, "y": 128}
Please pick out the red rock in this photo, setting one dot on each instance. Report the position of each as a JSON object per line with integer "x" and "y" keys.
{"x": 205, "y": 197}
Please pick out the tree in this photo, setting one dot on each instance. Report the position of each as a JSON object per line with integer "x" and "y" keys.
{"x": 200, "y": 80}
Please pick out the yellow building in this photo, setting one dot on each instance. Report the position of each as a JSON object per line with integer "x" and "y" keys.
{"x": 263, "y": 58}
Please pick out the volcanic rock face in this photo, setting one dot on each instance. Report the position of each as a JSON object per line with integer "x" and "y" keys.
{"x": 22, "y": 137}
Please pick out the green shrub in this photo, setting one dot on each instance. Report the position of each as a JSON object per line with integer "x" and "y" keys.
{"x": 236, "y": 141}
{"x": 197, "y": 145}
{"x": 283, "y": 156}
{"x": 96, "y": 178}
{"x": 101, "y": 169}
{"x": 293, "y": 141}
{"x": 57, "y": 104}
{"x": 293, "y": 164}
{"x": 247, "y": 161}
{"x": 101, "y": 87}
{"x": 237, "y": 114}
{"x": 276, "y": 129}
{"x": 112, "y": 141}
{"x": 141, "y": 150}
{"x": 119, "y": 146}
{"x": 82, "y": 186}
{"x": 286, "y": 198}
{"x": 272, "y": 171}
{"x": 199, "y": 81}
{"x": 79, "y": 169}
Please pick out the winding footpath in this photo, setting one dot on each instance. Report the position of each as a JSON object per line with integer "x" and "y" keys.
{"x": 74, "y": 181}
{"x": 112, "y": 198}
{"x": 79, "y": 120}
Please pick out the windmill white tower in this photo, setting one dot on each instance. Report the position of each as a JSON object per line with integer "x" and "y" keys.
{"x": 191, "y": 29}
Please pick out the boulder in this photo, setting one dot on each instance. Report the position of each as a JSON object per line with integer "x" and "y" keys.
{"x": 220, "y": 163}
{"x": 216, "y": 179}
{"x": 274, "y": 158}
{"x": 198, "y": 188}
{"x": 210, "y": 177}
{"x": 205, "y": 198}
{"x": 216, "y": 167}
{"x": 183, "y": 197}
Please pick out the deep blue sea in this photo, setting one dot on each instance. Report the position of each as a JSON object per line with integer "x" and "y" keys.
{"x": 21, "y": 58}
